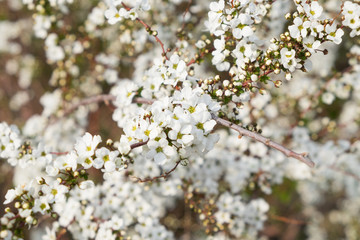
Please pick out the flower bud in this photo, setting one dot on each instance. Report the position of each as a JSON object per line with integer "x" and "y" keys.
{"x": 262, "y": 91}
{"x": 278, "y": 83}
{"x": 288, "y": 76}
{"x": 4, "y": 234}
{"x": 25, "y": 205}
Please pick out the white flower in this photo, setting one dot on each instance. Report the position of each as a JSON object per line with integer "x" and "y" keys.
{"x": 143, "y": 5}
{"x": 175, "y": 70}
{"x": 50, "y": 102}
{"x": 53, "y": 51}
{"x": 41, "y": 205}
{"x": 51, "y": 170}
{"x": 63, "y": 162}
{"x": 288, "y": 59}
{"x": 42, "y": 25}
{"x": 124, "y": 145}
{"x": 125, "y": 92}
{"x": 102, "y": 156}
{"x": 50, "y": 234}
{"x": 106, "y": 158}
{"x": 299, "y": 28}
{"x": 10, "y": 196}
{"x": 86, "y": 184}
{"x": 240, "y": 26}
{"x": 215, "y": 17}
{"x": 117, "y": 223}
{"x": 328, "y": 98}
{"x": 85, "y": 146}
{"x": 54, "y": 192}
{"x": 220, "y": 54}
{"x": 334, "y": 34}
{"x": 181, "y": 134}
{"x": 313, "y": 10}
{"x": 160, "y": 151}
{"x": 200, "y": 44}
{"x": 147, "y": 130}
{"x": 351, "y": 13}
{"x": 317, "y": 29}
{"x": 310, "y": 44}
{"x": 113, "y": 15}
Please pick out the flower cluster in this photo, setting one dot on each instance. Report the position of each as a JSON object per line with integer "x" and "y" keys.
{"x": 202, "y": 144}
{"x": 19, "y": 152}
{"x": 173, "y": 128}
{"x": 114, "y": 15}
{"x": 351, "y": 12}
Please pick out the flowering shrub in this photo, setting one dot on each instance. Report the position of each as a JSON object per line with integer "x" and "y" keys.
{"x": 234, "y": 119}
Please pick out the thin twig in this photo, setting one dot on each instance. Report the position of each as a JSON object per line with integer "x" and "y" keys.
{"x": 59, "y": 153}
{"x": 96, "y": 99}
{"x": 165, "y": 175}
{"x": 287, "y": 152}
{"x": 90, "y": 100}
{"x": 86, "y": 101}
{"x": 143, "y": 100}
{"x": 184, "y": 14}
{"x": 148, "y": 27}
{"x": 321, "y": 90}
{"x": 347, "y": 173}
{"x": 287, "y": 220}
{"x": 139, "y": 144}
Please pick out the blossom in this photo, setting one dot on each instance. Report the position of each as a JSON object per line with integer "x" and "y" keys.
{"x": 220, "y": 54}
{"x": 288, "y": 59}
{"x": 160, "y": 150}
{"x": 10, "y": 196}
{"x": 85, "y": 146}
{"x": 299, "y": 28}
{"x": 313, "y": 10}
{"x": 334, "y": 34}
{"x": 182, "y": 134}
{"x": 240, "y": 26}
{"x": 54, "y": 192}
{"x": 351, "y": 12}
{"x": 311, "y": 44}
{"x": 113, "y": 15}
{"x": 67, "y": 161}
{"x": 106, "y": 158}
{"x": 215, "y": 17}
{"x": 41, "y": 205}
{"x": 86, "y": 184}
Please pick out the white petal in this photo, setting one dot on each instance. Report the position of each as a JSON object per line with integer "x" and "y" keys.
{"x": 160, "y": 158}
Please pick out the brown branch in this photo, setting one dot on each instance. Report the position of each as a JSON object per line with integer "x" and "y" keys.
{"x": 287, "y": 220}
{"x": 346, "y": 173}
{"x": 59, "y": 153}
{"x": 149, "y": 28}
{"x": 87, "y": 101}
{"x": 287, "y": 152}
{"x": 143, "y": 100}
{"x": 61, "y": 233}
{"x": 202, "y": 54}
{"x": 184, "y": 14}
{"x": 139, "y": 144}
{"x": 321, "y": 90}
{"x": 90, "y": 100}
{"x": 96, "y": 99}
{"x": 165, "y": 175}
